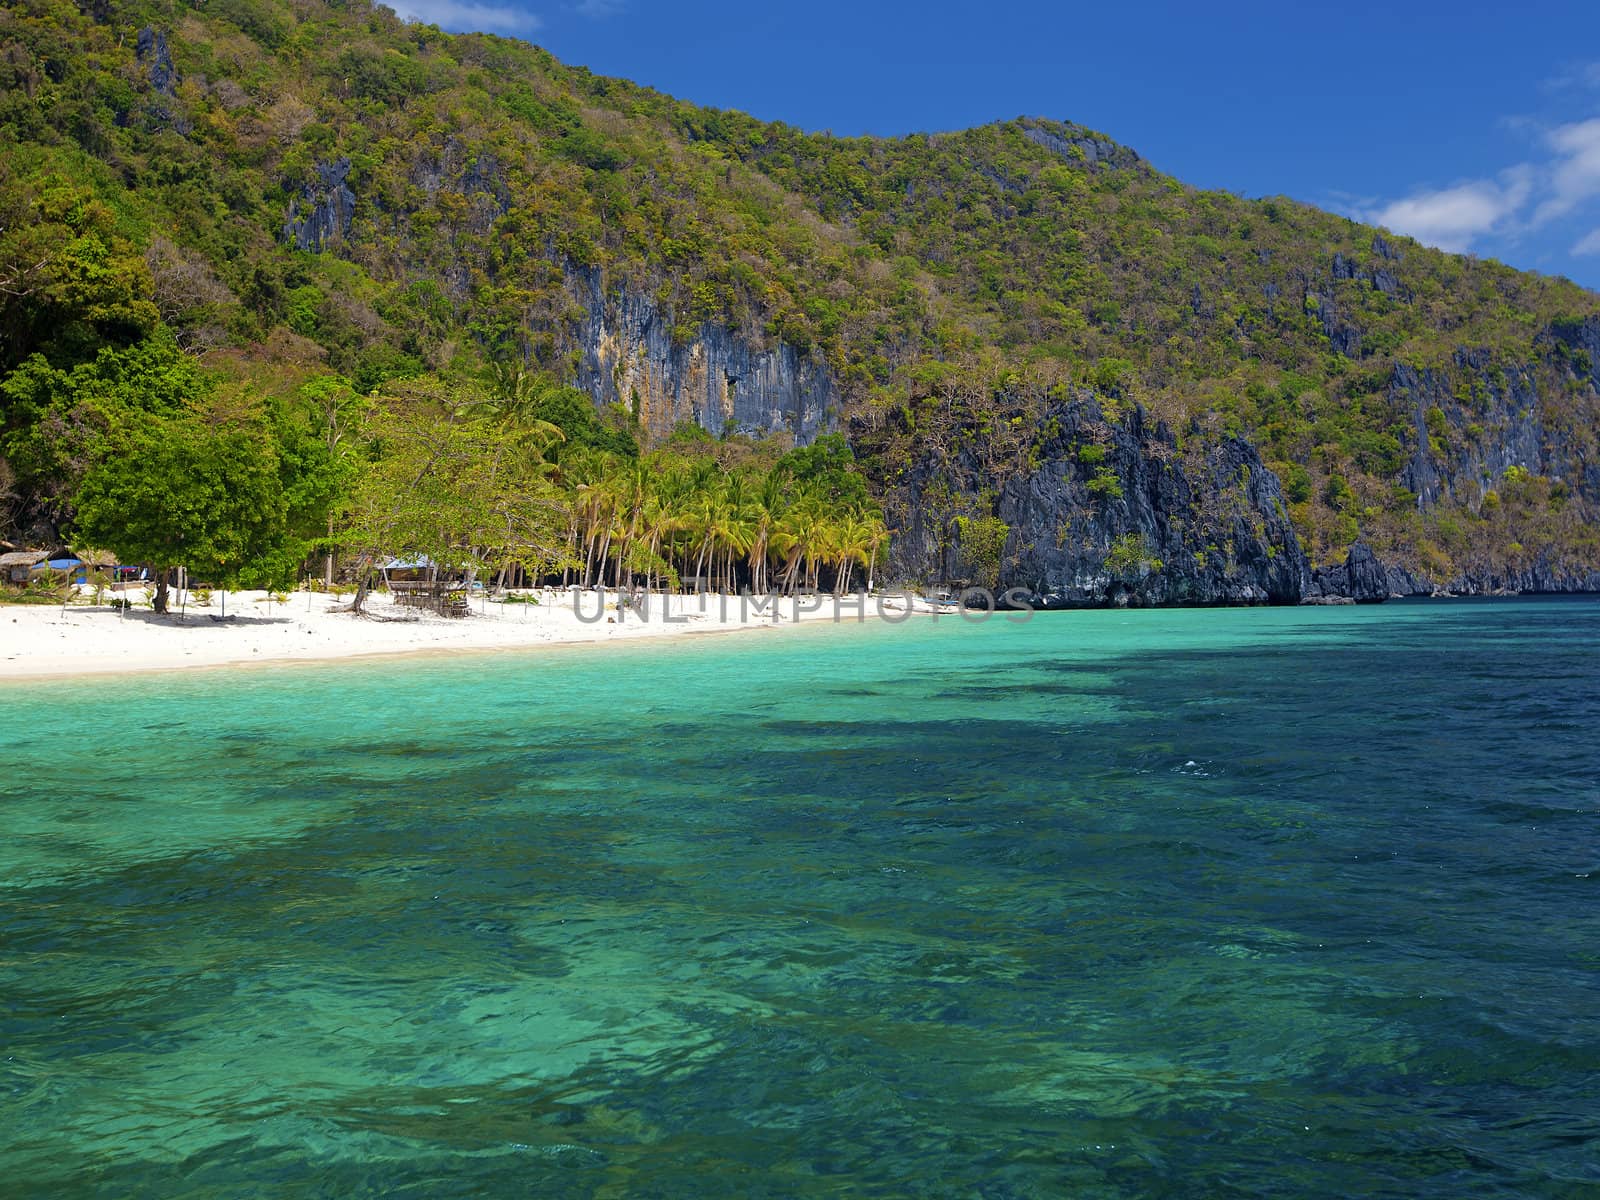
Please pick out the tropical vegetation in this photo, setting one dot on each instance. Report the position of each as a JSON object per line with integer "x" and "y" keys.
{"x": 298, "y": 230}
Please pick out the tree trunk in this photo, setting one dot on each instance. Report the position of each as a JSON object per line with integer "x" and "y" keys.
{"x": 160, "y": 602}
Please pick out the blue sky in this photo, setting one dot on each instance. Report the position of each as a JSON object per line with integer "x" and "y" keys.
{"x": 1471, "y": 126}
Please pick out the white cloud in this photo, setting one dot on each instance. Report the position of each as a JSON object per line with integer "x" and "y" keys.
{"x": 460, "y": 15}
{"x": 599, "y": 9}
{"x": 1575, "y": 175}
{"x": 1589, "y": 243}
{"x": 1351, "y": 203}
{"x": 1576, "y": 75}
{"x": 1563, "y": 182}
{"x": 1451, "y": 218}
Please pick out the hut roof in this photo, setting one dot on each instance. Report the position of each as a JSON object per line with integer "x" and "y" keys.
{"x": 23, "y": 558}
{"x": 96, "y": 558}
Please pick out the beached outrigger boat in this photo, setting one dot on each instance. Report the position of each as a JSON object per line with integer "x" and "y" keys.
{"x": 940, "y": 601}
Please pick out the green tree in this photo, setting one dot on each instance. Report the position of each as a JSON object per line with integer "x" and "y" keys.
{"x": 57, "y": 418}
{"x": 70, "y": 281}
{"x": 828, "y": 465}
{"x": 333, "y": 414}
{"x": 461, "y": 490}
{"x": 1128, "y": 557}
{"x": 177, "y": 491}
{"x": 315, "y": 470}
{"x": 983, "y": 543}
{"x": 575, "y": 417}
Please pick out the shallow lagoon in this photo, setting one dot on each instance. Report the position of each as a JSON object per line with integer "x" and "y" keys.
{"x": 1269, "y": 902}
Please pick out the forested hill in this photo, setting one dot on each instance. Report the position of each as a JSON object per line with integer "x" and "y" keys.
{"x": 1059, "y": 367}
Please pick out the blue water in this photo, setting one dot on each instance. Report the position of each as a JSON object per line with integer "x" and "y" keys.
{"x": 1207, "y": 903}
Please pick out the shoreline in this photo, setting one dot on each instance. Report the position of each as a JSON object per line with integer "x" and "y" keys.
{"x": 45, "y": 643}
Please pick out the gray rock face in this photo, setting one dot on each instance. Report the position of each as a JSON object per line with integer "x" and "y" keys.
{"x": 1082, "y": 148}
{"x": 321, "y": 214}
{"x": 1580, "y": 341}
{"x": 1366, "y": 578}
{"x": 1112, "y": 513}
{"x": 1344, "y": 337}
{"x": 151, "y": 49}
{"x": 456, "y": 166}
{"x": 720, "y": 380}
{"x": 1504, "y": 425}
{"x": 1362, "y": 577}
{"x": 1382, "y": 279}
{"x": 1468, "y": 427}
{"x": 1541, "y": 578}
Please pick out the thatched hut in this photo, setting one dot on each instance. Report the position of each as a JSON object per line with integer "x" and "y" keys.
{"x": 419, "y": 583}
{"x": 18, "y": 565}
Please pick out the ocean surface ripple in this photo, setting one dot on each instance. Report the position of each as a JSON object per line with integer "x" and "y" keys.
{"x": 1272, "y": 903}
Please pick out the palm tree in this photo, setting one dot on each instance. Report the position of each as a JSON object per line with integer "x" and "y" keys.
{"x": 577, "y": 471}
{"x": 592, "y": 503}
{"x": 512, "y": 403}
{"x": 798, "y": 537}
{"x": 766, "y": 509}
{"x": 663, "y": 515}
{"x": 736, "y": 526}
{"x": 877, "y": 535}
{"x": 632, "y": 495}
{"x": 702, "y": 521}
{"x": 855, "y": 538}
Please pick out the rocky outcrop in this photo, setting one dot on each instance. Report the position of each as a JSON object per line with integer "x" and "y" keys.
{"x": 159, "y": 108}
{"x": 1343, "y": 336}
{"x": 1080, "y": 147}
{"x": 1381, "y": 278}
{"x": 473, "y": 179}
{"x": 1097, "y": 511}
{"x": 1459, "y": 449}
{"x": 1365, "y": 579}
{"x": 720, "y": 379}
{"x": 150, "y": 48}
{"x": 1541, "y": 417}
{"x": 322, "y": 212}
{"x": 1104, "y": 512}
{"x": 1542, "y": 577}
{"x": 619, "y": 340}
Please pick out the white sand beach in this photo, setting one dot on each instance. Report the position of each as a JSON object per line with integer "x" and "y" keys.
{"x": 39, "y": 641}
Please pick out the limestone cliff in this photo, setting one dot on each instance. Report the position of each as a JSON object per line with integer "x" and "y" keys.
{"x": 1483, "y": 437}
{"x": 320, "y": 215}
{"x": 721, "y": 380}
{"x": 1097, "y": 510}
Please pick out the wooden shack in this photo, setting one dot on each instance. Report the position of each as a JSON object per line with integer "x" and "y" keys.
{"x": 18, "y": 565}
{"x": 419, "y": 583}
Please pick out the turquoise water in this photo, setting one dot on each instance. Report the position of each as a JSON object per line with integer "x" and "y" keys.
{"x": 1224, "y": 903}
